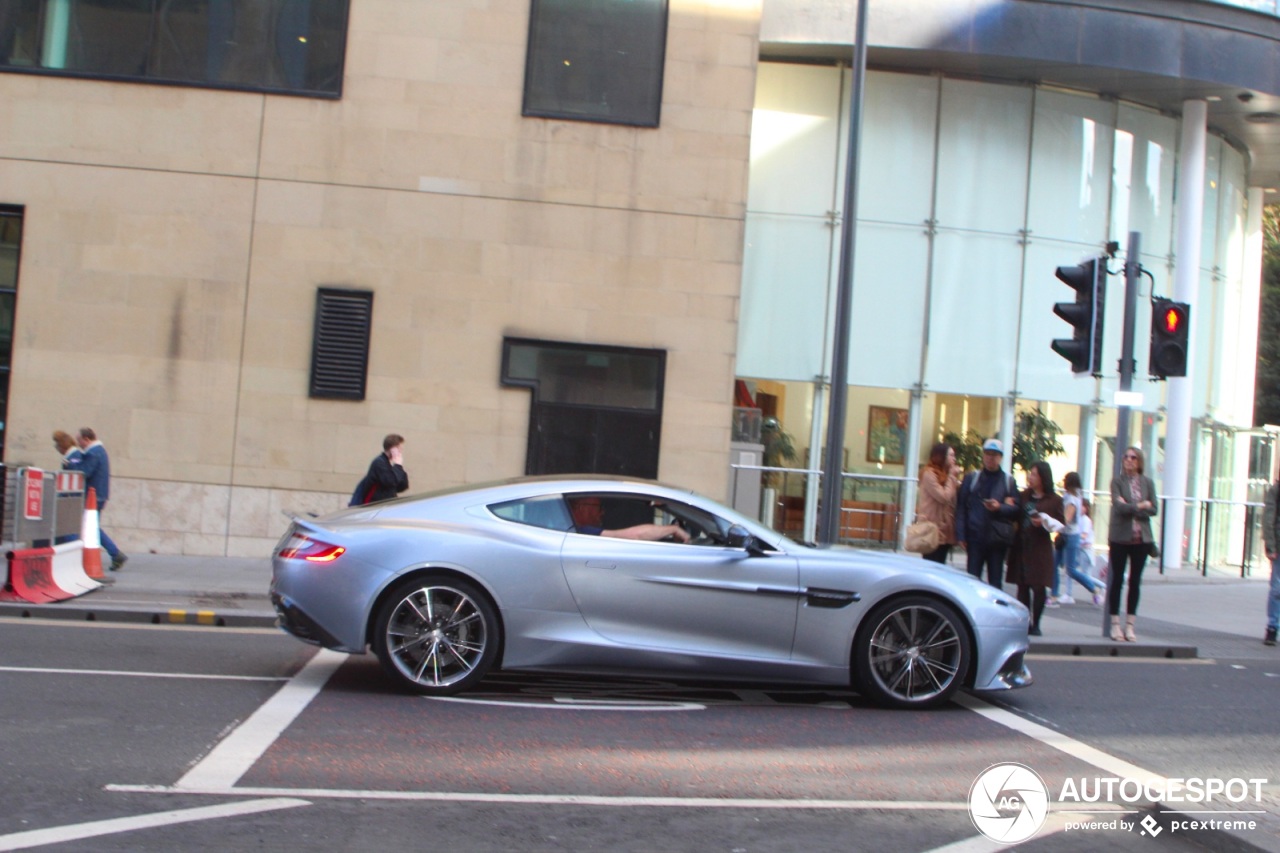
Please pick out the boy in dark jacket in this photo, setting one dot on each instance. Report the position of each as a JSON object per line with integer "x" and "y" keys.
{"x": 386, "y": 477}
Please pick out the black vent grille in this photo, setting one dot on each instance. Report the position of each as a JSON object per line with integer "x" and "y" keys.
{"x": 340, "y": 347}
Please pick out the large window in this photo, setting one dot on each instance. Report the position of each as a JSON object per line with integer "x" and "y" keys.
{"x": 10, "y": 243}
{"x": 596, "y": 409}
{"x": 596, "y": 60}
{"x": 293, "y": 46}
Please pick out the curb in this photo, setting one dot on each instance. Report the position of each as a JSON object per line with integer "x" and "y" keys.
{"x": 140, "y": 616}
{"x": 1110, "y": 649}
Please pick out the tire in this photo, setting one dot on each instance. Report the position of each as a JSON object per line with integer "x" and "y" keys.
{"x": 436, "y": 635}
{"x": 911, "y": 652}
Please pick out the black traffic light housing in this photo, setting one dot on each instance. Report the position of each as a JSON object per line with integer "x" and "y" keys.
{"x": 1084, "y": 348}
{"x": 1170, "y": 337}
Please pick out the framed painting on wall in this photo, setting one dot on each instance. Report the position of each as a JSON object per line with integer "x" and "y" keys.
{"x": 886, "y": 435}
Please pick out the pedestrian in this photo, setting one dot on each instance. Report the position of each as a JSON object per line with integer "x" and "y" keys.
{"x": 987, "y": 515}
{"x": 1087, "y": 560}
{"x": 1133, "y": 504}
{"x": 96, "y": 467}
{"x": 939, "y": 485}
{"x": 1031, "y": 558}
{"x": 386, "y": 477}
{"x": 1068, "y": 555}
{"x": 71, "y": 453}
{"x": 1271, "y": 544}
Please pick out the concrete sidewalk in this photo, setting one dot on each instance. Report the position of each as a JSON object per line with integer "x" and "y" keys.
{"x": 1182, "y": 613}
{"x": 159, "y": 588}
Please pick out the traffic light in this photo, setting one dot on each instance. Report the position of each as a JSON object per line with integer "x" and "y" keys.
{"x": 1084, "y": 348}
{"x": 1170, "y": 328}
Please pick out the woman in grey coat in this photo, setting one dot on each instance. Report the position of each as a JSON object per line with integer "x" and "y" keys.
{"x": 1133, "y": 504}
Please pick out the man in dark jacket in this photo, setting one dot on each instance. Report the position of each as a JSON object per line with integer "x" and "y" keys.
{"x": 986, "y": 512}
{"x": 386, "y": 477}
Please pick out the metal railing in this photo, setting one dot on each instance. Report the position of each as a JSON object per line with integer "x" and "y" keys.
{"x": 870, "y": 514}
{"x": 1217, "y": 532}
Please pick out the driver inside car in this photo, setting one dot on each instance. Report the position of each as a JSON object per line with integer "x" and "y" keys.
{"x": 588, "y": 518}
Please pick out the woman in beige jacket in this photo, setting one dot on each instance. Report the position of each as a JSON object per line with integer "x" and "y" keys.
{"x": 939, "y": 483}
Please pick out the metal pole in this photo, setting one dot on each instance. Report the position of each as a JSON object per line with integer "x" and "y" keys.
{"x": 832, "y": 463}
{"x": 1131, "y": 267}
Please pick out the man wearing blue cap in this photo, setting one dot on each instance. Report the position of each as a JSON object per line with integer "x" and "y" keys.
{"x": 986, "y": 515}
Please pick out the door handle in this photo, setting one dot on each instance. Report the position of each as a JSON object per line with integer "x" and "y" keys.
{"x": 600, "y": 564}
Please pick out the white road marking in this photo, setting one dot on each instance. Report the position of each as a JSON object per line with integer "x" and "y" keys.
{"x": 560, "y": 704}
{"x": 122, "y": 672}
{"x": 1047, "y": 736}
{"x": 93, "y": 829}
{"x": 1056, "y": 822}
{"x": 551, "y": 799}
{"x": 238, "y": 751}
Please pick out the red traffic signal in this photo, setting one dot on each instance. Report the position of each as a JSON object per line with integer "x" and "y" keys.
{"x": 1170, "y": 338}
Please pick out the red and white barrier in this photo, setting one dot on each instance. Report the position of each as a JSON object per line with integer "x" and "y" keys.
{"x": 44, "y": 575}
{"x": 68, "y": 569}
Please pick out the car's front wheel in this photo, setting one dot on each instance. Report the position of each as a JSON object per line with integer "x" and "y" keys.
{"x": 436, "y": 635}
{"x": 911, "y": 652}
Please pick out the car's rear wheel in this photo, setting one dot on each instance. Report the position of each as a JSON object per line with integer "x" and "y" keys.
{"x": 436, "y": 635}
{"x": 911, "y": 652}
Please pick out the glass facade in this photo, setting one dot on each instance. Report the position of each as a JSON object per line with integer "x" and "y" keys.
{"x": 971, "y": 195}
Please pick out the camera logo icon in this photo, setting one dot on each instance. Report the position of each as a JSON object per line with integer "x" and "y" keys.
{"x": 1008, "y": 803}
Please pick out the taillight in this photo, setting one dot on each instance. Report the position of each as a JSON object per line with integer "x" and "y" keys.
{"x": 300, "y": 547}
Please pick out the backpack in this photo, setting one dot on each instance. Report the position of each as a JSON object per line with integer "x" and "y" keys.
{"x": 363, "y": 492}
{"x": 1003, "y": 530}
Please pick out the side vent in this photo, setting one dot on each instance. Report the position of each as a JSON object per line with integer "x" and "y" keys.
{"x": 340, "y": 345}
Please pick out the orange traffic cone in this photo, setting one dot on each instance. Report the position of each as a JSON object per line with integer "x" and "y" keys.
{"x": 89, "y": 536}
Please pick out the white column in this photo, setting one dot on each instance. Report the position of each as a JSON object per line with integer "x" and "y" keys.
{"x": 1086, "y": 463}
{"x": 1250, "y": 300}
{"x": 1186, "y": 284}
{"x": 1007, "y": 411}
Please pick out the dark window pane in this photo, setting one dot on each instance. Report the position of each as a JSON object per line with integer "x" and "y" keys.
{"x": 104, "y": 37}
{"x": 10, "y": 241}
{"x": 598, "y": 60}
{"x": 20, "y": 32}
{"x": 276, "y": 45}
{"x": 6, "y": 328}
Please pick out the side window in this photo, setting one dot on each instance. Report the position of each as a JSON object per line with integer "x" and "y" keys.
{"x": 548, "y": 512}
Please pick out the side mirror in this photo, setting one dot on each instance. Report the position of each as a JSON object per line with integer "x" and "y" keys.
{"x": 739, "y": 537}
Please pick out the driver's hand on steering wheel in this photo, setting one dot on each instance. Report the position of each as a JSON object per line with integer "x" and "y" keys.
{"x": 677, "y": 534}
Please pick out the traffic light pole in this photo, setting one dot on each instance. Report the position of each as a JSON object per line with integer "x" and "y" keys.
{"x": 1132, "y": 266}
{"x": 1127, "y": 364}
{"x": 833, "y": 458}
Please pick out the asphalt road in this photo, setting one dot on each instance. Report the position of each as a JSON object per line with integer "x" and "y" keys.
{"x": 138, "y": 737}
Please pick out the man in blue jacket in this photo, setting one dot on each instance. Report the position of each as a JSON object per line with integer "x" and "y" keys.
{"x": 96, "y": 467}
{"x": 986, "y": 512}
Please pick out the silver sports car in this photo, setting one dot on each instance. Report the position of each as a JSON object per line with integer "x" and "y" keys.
{"x": 597, "y": 575}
